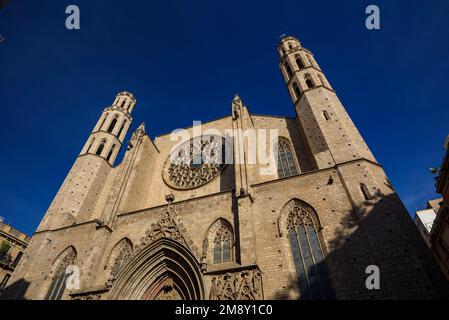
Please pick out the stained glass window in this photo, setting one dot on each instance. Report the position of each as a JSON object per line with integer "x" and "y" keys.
{"x": 311, "y": 271}
{"x": 61, "y": 274}
{"x": 286, "y": 163}
{"x": 222, "y": 245}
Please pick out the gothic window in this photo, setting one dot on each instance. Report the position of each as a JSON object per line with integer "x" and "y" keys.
{"x": 299, "y": 62}
{"x": 365, "y": 191}
{"x": 286, "y": 163}
{"x": 288, "y": 69}
{"x": 124, "y": 253}
{"x": 311, "y": 272}
{"x": 100, "y": 148}
{"x": 310, "y": 60}
{"x": 321, "y": 80}
{"x": 296, "y": 90}
{"x": 104, "y": 119}
{"x": 60, "y": 274}
{"x": 112, "y": 125}
{"x": 309, "y": 81}
{"x": 121, "y": 129}
{"x": 17, "y": 259}
{"x": 90, "y": 145}
{"x": 110, "y": 153}
{"x": 123, "y": 103}
{"x": 222, "y": 245}
{"x": 290, "y": 46}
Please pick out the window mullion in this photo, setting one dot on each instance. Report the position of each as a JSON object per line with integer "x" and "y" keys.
{"x": 303, "y": 263}
{"x": 314, "y": 261}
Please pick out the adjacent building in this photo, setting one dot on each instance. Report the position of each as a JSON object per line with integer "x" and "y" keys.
{"x": 439, "y": 236}
{"x": 12, "y": 246}
{"x": 424, "y": 219}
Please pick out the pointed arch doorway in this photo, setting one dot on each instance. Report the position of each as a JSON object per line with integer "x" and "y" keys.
{"x": 164, "y": 270}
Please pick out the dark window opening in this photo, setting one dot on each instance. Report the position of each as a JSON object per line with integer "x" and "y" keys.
{"x": 296, "y": 90}
{"x": 112, "y": 125}
{"x": 100, "y": 149}
{"x": 17, "y": 259}
{"x": 121, "y": 129}
{"x": 90, "y": 145}
{"x": 110, "y": 153}
{"x": 365, "y": 191}
{"x": 104, "y": 120}
{"x": 4, "y": 281}
{"x": 299, "y": 62}
{"x": 289, "y": 70}
{"x": 309, "y": 81}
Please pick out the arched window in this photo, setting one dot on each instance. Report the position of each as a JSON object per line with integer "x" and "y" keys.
{"x": 61, "y": 273}
{"x": 289, "y": 70}
{"x": 310, "y": 60}
{"x": 110, "y": 153}
{"x": 102, "y": 122}
{"x": 290, "y": 46}
{"x": 222, "y": 245}
{"x": 121, "y": 129}
{"x": 100, "y": 148}
{"x": 112, "y": 125}
{"x": 296, "y": 90}
{"x": 123, "y": 253}
{"x": 326, "y": 115}
{"x": 309, "y": 81}
{"x": 123, "y": 103}
{"x": 299, "y": 62}
{"x": 286, "y": 163}
{"x": 90, "y": 145}
{"x": 321, "y": 80}
{"x": 311, "y": 271}
{"x": 365, "y": 191}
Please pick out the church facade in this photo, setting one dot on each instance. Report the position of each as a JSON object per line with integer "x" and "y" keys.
{"x": 157, "y": 227}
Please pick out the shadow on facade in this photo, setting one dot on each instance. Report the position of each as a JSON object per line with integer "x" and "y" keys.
{"x": 15, "y": 291}
{"x": 380, "y": 233}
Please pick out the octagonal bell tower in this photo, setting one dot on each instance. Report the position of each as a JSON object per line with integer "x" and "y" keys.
{"x": 331, "y": 135}
{"x": 81, "y": 189}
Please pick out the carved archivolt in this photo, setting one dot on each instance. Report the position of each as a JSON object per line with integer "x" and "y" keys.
{"x": 241, "y": 285}
{"x": 195, "y": 163}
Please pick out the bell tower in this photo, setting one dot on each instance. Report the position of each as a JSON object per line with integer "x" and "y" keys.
{"x": 107, "y": 136}
{"x": 76, "y": 198}
{"x": 332, "y": 136}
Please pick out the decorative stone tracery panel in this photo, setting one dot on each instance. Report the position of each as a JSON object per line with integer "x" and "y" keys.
{"x": 239, "y": 285}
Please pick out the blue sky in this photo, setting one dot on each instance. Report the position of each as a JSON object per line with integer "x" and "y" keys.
{"x": 185, "y": 60}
